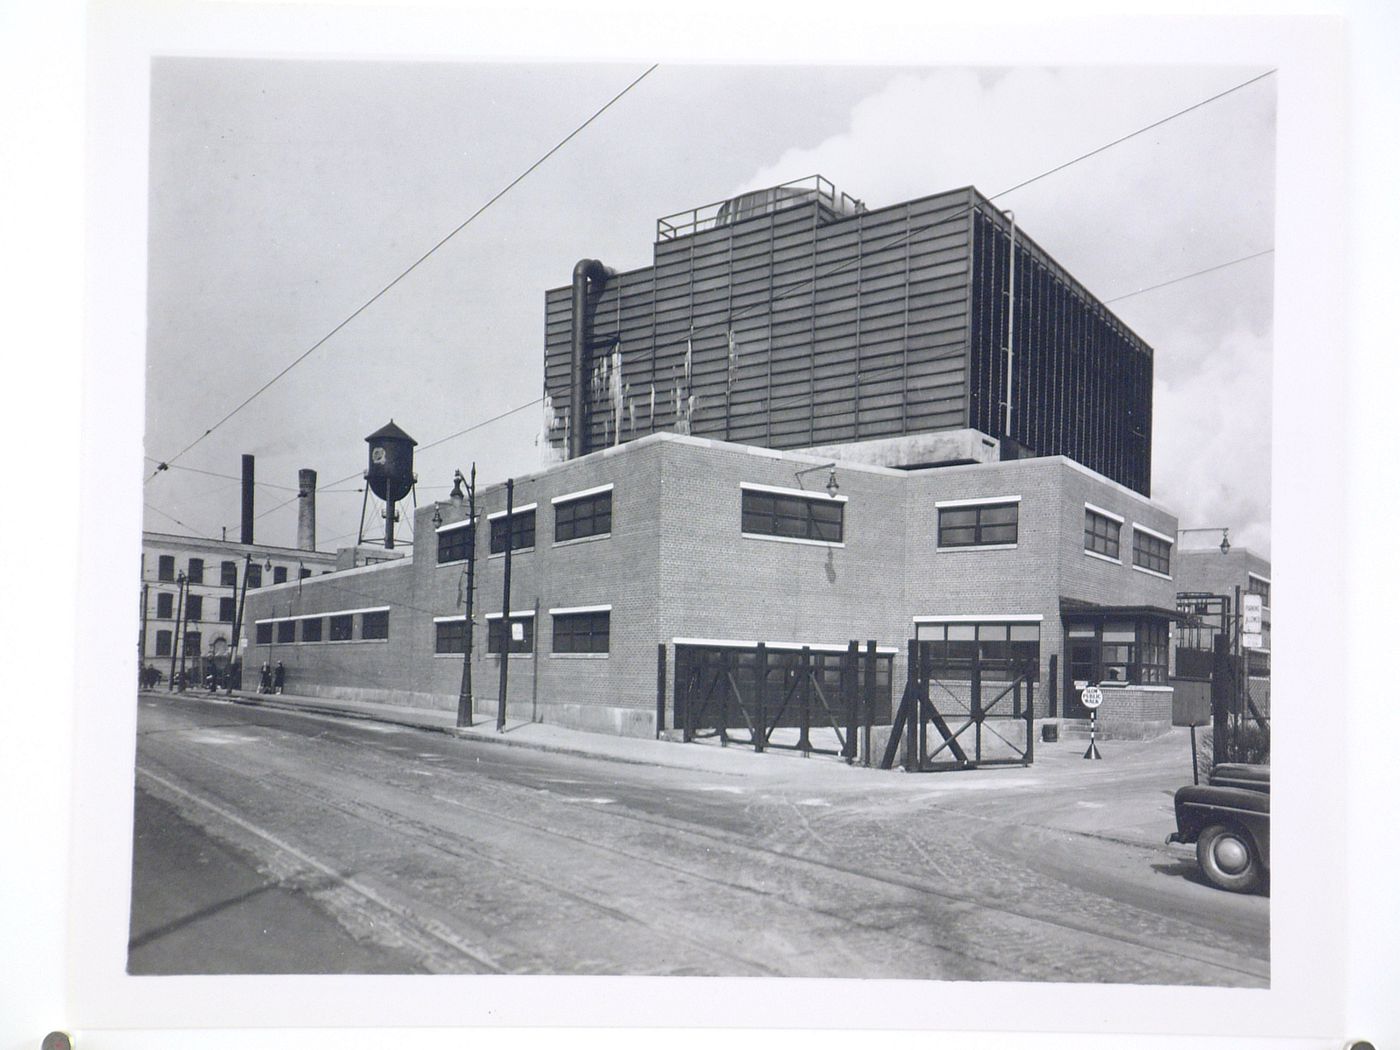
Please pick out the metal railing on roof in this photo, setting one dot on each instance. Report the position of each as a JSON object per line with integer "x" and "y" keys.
{"x": 750, "y": 205}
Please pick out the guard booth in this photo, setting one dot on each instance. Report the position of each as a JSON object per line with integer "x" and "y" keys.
{"x": 817, "y": 699}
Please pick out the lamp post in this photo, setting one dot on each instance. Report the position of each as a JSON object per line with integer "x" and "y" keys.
{"x": 465, "y": 715}
{"x": 505, "y": 607}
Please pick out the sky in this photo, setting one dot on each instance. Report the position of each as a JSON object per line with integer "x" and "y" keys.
{"x": 284, "y": 194}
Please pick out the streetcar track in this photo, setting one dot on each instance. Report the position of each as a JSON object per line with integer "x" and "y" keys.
{"x": 732, "y": 841}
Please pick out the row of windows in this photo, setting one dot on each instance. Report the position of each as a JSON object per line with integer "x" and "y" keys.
{"x": 1101, "y": 536}
{"x": 193, "y": 641}
{"x": 228, "y": 572}
{"x": 574, "y": 519}
{"x": 1259, "y": 587}
{"x": 193, "y": 610}
{"x": 340, "y": 627}
{"x": 1126, "y": 651}
{"x": 577, "y": 632}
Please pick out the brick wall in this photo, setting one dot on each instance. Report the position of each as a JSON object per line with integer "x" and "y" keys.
{"x": 676, "y": 565}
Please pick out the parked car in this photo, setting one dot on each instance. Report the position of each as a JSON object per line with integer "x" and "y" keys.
{"x": 1228, "y": 820}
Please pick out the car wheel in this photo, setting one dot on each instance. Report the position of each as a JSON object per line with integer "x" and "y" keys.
{"x": 1228, "y": 858}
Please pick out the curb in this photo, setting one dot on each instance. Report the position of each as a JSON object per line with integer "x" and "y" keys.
{"x": 245, "y": 700}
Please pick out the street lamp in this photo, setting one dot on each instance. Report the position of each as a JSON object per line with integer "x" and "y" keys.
{"x": 465, "y": 715}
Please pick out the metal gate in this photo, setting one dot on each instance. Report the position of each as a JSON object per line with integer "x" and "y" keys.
{"x": 988, "y": 696}
{"x": 746, "y": 694}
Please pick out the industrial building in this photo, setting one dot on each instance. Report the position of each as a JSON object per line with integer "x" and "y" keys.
{"x": 795, "y": 429}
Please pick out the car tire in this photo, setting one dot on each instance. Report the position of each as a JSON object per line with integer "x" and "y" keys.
{"x": 1229, "y": 859}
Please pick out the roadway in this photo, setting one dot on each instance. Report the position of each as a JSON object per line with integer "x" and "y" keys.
{"x": 271, "y": 841}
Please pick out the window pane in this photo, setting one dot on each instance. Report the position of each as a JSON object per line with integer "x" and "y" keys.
{"x": 311, "y": 630}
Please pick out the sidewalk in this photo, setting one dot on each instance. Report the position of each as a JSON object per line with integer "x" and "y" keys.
{"x": 1126, "y": 797}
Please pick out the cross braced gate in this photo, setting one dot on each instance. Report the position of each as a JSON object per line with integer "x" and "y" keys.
{"x": 742, "y": 695}
{"x": 967, "y": 690}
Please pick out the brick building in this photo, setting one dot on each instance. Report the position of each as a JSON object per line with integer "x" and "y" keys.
{"x": 695, "y": 410}
{"x": 674, "y": 541}
{"x": 199, "y": 622}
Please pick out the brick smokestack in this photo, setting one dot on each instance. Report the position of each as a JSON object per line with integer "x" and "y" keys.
{"x": 246, "y": 536}
{"x": 306, "y": 509}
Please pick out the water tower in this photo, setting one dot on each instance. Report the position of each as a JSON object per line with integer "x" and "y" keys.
{"x": 390, "y": 474}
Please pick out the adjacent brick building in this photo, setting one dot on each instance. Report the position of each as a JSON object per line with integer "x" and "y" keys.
{"x": 675, "y": 550}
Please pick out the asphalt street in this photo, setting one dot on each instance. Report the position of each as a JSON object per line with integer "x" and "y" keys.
{"x": 288, "y": 842}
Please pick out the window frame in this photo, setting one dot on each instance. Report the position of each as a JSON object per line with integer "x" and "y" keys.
{"x": 572, "y": 619}
{"x": 1106, "y": 543}
{"x": 163, "y": 641}
{"x": 339, "y": 622}
{"x": 286, "y": 632}
{"x": 194, "y": 608}
{"x": 599, "y": 504}
{"x": 229, "y": 605}
{"x": 1146, "y": 559}
{"x": 521, "y": 520}
{"x": 262, "y": 632}
{"x": 453, "y": 625}
{"x": 794, "y": 507}
{"x": 228, "y": 574}
{"x": 165, "y": 568}
{"x": 319, "y": 631}
{"x": 165, "y": 605}
{"x": 455, "y": 542}
{"x": 375, "y": 630}
{"x": 194, "y": 572}
{"x": 977, "y": 506}
{"x": 494, "y": 622}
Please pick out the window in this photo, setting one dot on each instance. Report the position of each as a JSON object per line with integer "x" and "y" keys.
{"x": 451, "y": 636}
{"x": 1005, "y": 649}
{"x": 817, "y": 518}
{"x": 226, "y": 610}
{"x": 1154, "y": 652}
{"x": 228, "y": 574}
{"x": 1152, "y": 552}
{"x": 311, "y": 629}
{"x": 522, "y": 529}
{"x": 196, "y": 570}
{"x": 582, "y": 632}
{"x": 194, "y": 608}
{"x": 254, "y": 575}
{"x": 279, "y": 574}
{"x": 1120, "y": 652}
{"x": 264, "y": 635}
{"x": 1101, "y": 534}
{"x": 589, "y": 515}
{"x": 192, "y": 643}
{"x": 162, "y": 643}
{"x": 1260, "y": 586}
{"x": 374, "y": 625}
{"x": 342, "y": 628}
{"x": 981, "y": 525}
{"x": 524, "y": 644}
{"x": 165, "y": 606}
{"x": 303, "y": 572}
{"x": 286, "y": 632}
{"x": 454, "y": 544}
{"x": 166, "y": 568}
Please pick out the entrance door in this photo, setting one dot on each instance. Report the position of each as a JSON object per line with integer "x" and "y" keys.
{"x": 1081, "y": 668}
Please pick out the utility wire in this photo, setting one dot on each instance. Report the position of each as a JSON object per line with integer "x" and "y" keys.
{"x": 1188, "y": 276}
{"x": 1134, "y": 134}
{"x": 216, "y": 474}
{"x": 165, "y": 465}
{"x": 176, "y": 520}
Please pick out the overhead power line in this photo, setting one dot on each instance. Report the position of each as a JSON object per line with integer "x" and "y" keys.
{"x": 1134, "y": 134}
{"x": 165, "y": 465}
{"x": 1188, "y": 276}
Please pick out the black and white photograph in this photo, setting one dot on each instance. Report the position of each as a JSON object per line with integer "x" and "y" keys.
{"x": 797, "y": 527}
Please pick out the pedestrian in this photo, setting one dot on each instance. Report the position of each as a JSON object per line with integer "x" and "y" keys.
{"x": 265, "y": 680}
{"x": 278, "y": 677}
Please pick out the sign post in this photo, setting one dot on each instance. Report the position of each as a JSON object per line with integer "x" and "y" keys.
{"x": 1091, "y": 698}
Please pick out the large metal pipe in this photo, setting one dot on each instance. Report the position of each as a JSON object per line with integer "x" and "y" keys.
{"x": 246, "y": 536}
{"x": 589, "y": 277}
{"x": 306, "y": 509}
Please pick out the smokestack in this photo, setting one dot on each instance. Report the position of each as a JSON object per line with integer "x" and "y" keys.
{"x": 247, "y": 533}
{"x": 306, "y": 509}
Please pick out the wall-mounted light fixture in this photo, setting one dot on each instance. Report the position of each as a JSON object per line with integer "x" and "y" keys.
{"x": 831, "y": 484}
{"x": 1224, "y": 535}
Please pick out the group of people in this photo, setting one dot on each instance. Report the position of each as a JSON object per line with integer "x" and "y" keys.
{"x": 272, "y": 678}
